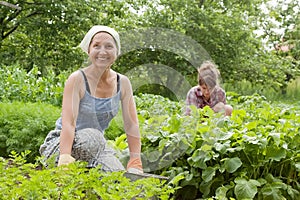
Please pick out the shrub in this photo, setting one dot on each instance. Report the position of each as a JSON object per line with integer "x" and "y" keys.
{"x": 147, "y": 105}
{"x": 18, "y": 85}
{"x": 19, "y": 180}
{"x": 24, "y": 126}
{"x": 254, "y": 154}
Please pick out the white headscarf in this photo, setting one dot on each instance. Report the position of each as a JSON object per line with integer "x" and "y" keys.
{"x": 85, "y": 43}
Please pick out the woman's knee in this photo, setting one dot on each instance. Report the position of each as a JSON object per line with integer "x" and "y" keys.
{"x": 88, "y": 143}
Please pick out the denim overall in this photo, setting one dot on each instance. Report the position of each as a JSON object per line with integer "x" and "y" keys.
{"x": 89, "y": 144}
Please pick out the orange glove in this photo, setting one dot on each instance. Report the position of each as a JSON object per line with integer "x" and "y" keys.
{"x": 65, "y": 159}
{"x": 135, "y": 165}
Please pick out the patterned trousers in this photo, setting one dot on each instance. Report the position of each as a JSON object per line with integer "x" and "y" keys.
{"x": 89, "y": 145}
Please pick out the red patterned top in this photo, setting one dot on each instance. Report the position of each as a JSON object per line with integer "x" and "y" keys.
{"x": 195, "y": 97}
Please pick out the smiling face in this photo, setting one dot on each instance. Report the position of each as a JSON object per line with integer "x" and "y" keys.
{"x": 103, "y": 50}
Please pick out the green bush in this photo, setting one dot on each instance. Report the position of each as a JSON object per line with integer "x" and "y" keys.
{"x": 151, "y": 105}
{"x": 254, "y": 154}
{"x": 24, "y": 126}
{"x": 21, "y": 180}
{"x": 147, "y": 105}
{"x": 18, "y": 85}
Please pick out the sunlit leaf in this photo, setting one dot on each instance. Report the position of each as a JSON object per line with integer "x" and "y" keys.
{"x": 245, "y": 189}
{"x": 276, "y": 153}
{"x": 232, "y": 164}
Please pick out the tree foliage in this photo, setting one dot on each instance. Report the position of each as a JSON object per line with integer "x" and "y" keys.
{"x": 47, "y": 33}
{"x": 226, "y": 31}
{"x": 157, "y": 37}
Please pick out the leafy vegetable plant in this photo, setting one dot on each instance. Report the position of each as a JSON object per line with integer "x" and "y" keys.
{"x": 21, "y": 180}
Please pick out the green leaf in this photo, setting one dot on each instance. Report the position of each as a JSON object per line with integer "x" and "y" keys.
{"x": 206, "y": 147}
{"x": 189, "y": 177}
{"x": 198, "y": 154}
{"x": 232, "y": 164}
{"x": 272, "y": 192}
{"x": 208, "y": 174}
{"x": 297, "y": 165}
{"x": 245, "y": 189}
{"x": 276, "y": 137}
{"x": 174, "y": 123}
{"x": 224, "y": 135}
{"x": 251, "y": 125}
{"x": 221, "y": 192}
{"x": 202, "y": 128}
{"x": 221, "y": 147}
{"x": 153, "y": 138}
{"x": 178, "y": 178}
{"x": 292, "y": 192}
{"x": 120, "y": 140}
{"x": 205, "y": 187}
{"x": 153, "y": 156}
{"x": 276, "y": 153}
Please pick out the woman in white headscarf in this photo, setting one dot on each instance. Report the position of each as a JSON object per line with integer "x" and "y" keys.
{"x": 90, "y": 101}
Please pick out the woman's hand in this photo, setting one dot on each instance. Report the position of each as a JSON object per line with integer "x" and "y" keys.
{"x": 65, "y": 159}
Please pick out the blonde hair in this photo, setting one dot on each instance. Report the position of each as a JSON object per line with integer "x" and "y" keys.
{"x": 208, "y": 74}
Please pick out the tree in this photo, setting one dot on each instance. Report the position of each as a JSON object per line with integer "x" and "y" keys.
{"x": 226, "y": 30}
{"x": 163, "y": 42}
{"x": 280, "y": 24}
{"x": 46, "y": 34}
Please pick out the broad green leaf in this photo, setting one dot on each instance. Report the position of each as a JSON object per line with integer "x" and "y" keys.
{"x": 232, "y": 164}
{"x": 262, "y": 181}
{"x": 251, "y": 125}
{"x": 276, "y": 153}
{"x": 120, "y": 139}
{"x": 251, "y": 139}
{"x": 224, "y": 135}
{"x": 245, "y": 189}
{"x": 269, "y": 191}
{"x": 205, "y": 187}
{"x": 198, "y": 164}
{"x": 153, "y": 156}
{"x": 199, "y": 154}
{"x": 178, "y": 178}
{"x": 208, "y": 174}
{"x": 206, "y": 147}
{"x": 220, "y": 147}
{"x": 174, "y": 123}
{"x": 276, "y": 137}
{"x": 202, "y": 129}
{"x": 183, "y": 144}
{"x": 189, "y": 177}
{"x": 221, "y": 192}
{"x": 208, "y": 111}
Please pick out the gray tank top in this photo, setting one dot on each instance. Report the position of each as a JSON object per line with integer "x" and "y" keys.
{"x": 95, "y": 112}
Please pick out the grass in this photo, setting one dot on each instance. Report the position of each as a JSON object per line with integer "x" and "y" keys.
{"x": 246, "y": 88}
{"x": 293, "y": 89}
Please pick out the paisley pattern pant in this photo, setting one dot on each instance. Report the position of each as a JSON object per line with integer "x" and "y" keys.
{"x": 89, "y": 145}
